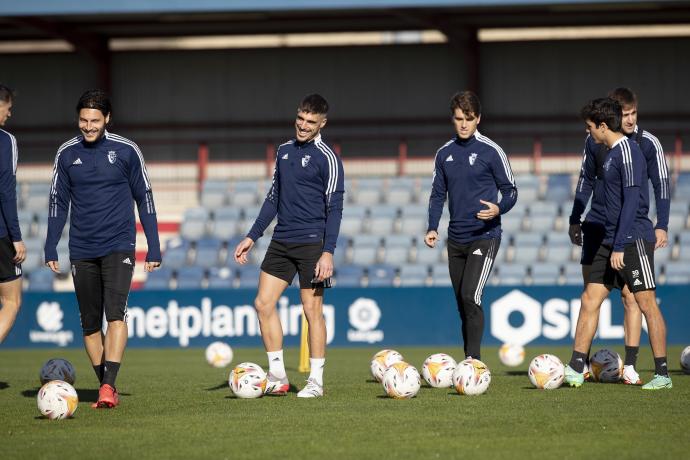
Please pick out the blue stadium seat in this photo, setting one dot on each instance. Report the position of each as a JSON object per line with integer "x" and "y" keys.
{"x": 511, "y": 223}
{"x": 366, "y": 240}
{"x": 36, "y": 202}
{"x": 367, "y": 196}
{"x": 413, "y": 225}
{"x": 248, "y": 276}
{"x": 349, "y": 276}
{"x": 399, "y": 195}
{"x": 368, "y": 183}
{"x": 558, "y": 239}
{"x": 525, "y": 254}
{"x": 365, "y": 255}
{"x": 241, "y": 198}
{"x": 429, "y": 256}
{"x": 216, "y": 185}
{"x": 212, "y": 199}
{"x": 247, "y": 185}
{"x": 545, "y": 274}
{"x": 440, "y": 276}
{"x": 404, "y": 241}
{"x": 396, "y": 255}
{"x": 381, "y": 225}
{"x": 351, "y": 225}
{"x": 41, "y": 280}
{"x": 677, "y": 272}
{"x": 359, "y": 212}
{"x": 540, "y": 223}
{"x": 572, "y": 274}
{"x": 544, "y": 208}
{"x": 221, "y": 278}
{"x": 226, "y": 213}
{"x": 224, "y": 229}
{"x": 511, "y": 274}
{"x": 159, "y": 279}
{"x": 208, "y": 252}
{"x": 413, "y": 275}
{"x": 558, "y": 254}
{"x": 559, "y": 188}
{"x": 381, "y": 275}
{"x": 175, "y": 257}
{"x": 190, "y": 277}
{"x": 528, "y": 239}
{"x": 415, "y": 210}
{"x": 198, "y": 214}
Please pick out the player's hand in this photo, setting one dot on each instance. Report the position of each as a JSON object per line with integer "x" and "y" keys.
{"x": 150, "y": 266}
{"x": 324, "y": 267}
{"x": 431, "y": 238}
{"x": 490, "y": 212}
{"x": 617, "y": 260}
{"x": 20, "y": 252}
{"x": 661, "y": 238}
{"x": 54, "y": 265}
{"x": 575, "y": 234}
{"x": 242, "y": 250}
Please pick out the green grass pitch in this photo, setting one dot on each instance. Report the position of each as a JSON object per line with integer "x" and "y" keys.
{"x": 174, "y": 405}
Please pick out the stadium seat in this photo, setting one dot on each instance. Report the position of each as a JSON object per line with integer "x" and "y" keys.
{"x": 175, "y": 257}
{"x": 351, "y": 225}
{"x": 572, "y": 274}
{"x": 365, "y": 255}
{"x": 381, "y": 275}
{"x": 545, "y": 274}
{"x": 193, "y": 230}
{"x": 558, "y": 254}
{"x": 248, "y": 276}
{"x": 544, "y": 208}
{"x": 212, "y": 199}
{"x": 677, "y": 272}
{"x": 36, "y": 202}
{"x": 224, "y": 229}
{"x": 559, "y": 188}
{"x": 216, "y": 185}
{"x": 381, "y": 225}
{"x": 208, "y": 251}
{"x": 348, "y": 276}
{"x": 404, "y": 241}
{"x": 429, "y": 256}
{"x": 558, "y": 239}
{"x": 221, "y": 278}
{"x": 528, "y": 239}
{"x": 525, "y": 254}
{"x": 440, "y": 276}
{"x": 190, "y": 277}
{"x": 399, "y": 195}
{"x": 367, "y": 197}
{"x": 366, "y": 240}
{"x": 159, "y": 279}
{"x": 396, "y": 255}
{"x": 41, "y": 280}
{"x": 355, "y": 211}
{"x": 413, "y": 275}
{"x": 511, "y": 223}
{"x": 539, "y": 223}
{"x": 258, "y": 252}
{"x": 242, "y": 198}
{"x": 511, "y": 274}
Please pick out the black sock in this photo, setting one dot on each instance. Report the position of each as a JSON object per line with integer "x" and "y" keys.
{"x": 577, "y": 361}
{"x": 631, "y": 355}
{"x": 660, "y": 367}
{"x": 110, "y": 373}
{"x": 98, "y": 369}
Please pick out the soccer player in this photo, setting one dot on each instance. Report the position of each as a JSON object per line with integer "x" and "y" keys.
{"x": 590, "y": 233}
{"x": 12, "y": 249}
{"x": 99, "y": 175}
{"x": 307, "y": 196}
{"x": 626, "y": 255}
{"x": 470, "y": 170}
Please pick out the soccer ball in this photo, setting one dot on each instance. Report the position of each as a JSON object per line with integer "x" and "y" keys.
{"x": 58, "y": 369}
{"x": 57, "y": 400}
{"x": 685, "y": 360}
{"x": 546, "y": 372}
{"x": 401, "y": 381}
{"x": 511, "y": 354}
{"x": 381, "y": 361}
{"x": 471, "y": 377}
{"x": 606, "y": 366}
{"x": 438, "y": 369}
{"x": 248, "y": 381}
{"x": 219, "y": 354}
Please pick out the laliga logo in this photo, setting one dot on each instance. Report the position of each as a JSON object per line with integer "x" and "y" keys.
{"x": 555, "y": 320}
{"x": 49, "y": 317}
{"x": 364, "y": 315}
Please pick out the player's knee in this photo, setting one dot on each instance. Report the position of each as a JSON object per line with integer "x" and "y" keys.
{"x": 263, "y": 306}
{"x": 469, "y": 301}
{"x": 629, "y": 303}
{"x": 313, "y": 310}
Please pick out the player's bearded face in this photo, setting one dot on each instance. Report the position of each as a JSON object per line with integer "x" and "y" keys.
{"x": 308, "y": 125}
{"x": 92, "y": 124}
{"x": 629, "y": 120}
{"x": 465, "y": 123}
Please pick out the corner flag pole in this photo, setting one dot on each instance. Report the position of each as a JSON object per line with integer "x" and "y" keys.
{"x": 304, "y": 346}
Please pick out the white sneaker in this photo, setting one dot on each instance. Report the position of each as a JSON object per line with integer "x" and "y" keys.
{"x": 630, "y": 376}
{"x": 276, "y": 386}
{"x": 312, "y": 390}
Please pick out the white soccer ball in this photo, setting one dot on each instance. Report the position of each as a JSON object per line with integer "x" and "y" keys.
{"x": 401, "y": 381}
{"x": 511, "y": 354}
{"x": 606, "y": 366}
{"x": 382, "y": 361}
{"x": 471, "y": 377}
{"x": 57, "y": 400}
{"x": 438, "y": 370}
{"x": 546, "y": 372}
{"x": 219, "y": 354}
{"x": 248, "y": 381}
{"x": 685, "y": 360}
{"x": 58, "y": 369}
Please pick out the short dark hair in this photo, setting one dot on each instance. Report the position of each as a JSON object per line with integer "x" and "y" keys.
{"x": 603, "y": 110}
{"x": 466, "y": 101}
{"x": 313, "y": 103}
{"x": 95, "y": 99}
{"x": 625, "y": 96}
{"x": 6, "y": 93}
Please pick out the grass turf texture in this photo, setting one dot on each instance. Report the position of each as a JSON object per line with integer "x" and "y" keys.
{"x": 173, "y": 405}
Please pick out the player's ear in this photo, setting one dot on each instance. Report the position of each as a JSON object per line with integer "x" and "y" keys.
{"x": 107, "y": 119}
{"x": 323, "y": 122}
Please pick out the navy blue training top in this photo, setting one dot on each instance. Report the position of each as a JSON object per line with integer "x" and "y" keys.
{"x": 306, "y": 194}
{"x": 100, "y": 181}
{"x": 9, "y": 224}
{"x": 467, "y": 171}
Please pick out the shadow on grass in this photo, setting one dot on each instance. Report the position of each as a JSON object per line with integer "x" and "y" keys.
{"x": 219, "y": 386}
{"x": 85, "y": 395}
{"x": 372, "y": 381}
{"x": 671, "y": 373}
{"x": 4, "y": 385}
{"x": 516, "y": 373}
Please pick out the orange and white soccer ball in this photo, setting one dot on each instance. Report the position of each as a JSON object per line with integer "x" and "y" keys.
{"x": 438, "y": 370}
{"x": 219, "y": 354}
{"x": 58, "y": 369}
{"x": 606, "y": 366}
{"x": 57, "y": 400}
{"x": 401, "y": 381}
{"x": 685, "y": 360}
{"x": 546, "y": 372}
{"x": 511, "y": 354}
{"x": 471, "y": 377}
{"x": 248, "y": 381}
{"x": 382, "y": 361}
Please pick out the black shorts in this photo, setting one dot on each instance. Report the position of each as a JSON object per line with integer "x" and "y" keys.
{"x": 592, "y": 236}
{"x": 9, "y": 271}
{"x": 638, "y": 273}
{"x": 102, "y": 287}
{"x": 284, "y": 260}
